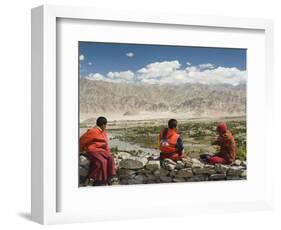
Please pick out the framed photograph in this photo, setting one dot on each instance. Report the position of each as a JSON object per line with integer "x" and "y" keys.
{"x": 138, "y": 113}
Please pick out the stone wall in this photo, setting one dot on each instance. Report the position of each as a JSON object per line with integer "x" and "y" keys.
{"x": 146, "y": 170}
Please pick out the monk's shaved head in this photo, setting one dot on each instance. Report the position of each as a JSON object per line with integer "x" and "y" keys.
{"x": 101, "y": 121}
{"x": 172, "y": 123}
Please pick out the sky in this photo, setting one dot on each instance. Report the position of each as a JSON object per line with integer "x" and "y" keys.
{"x": 161, "y": 64}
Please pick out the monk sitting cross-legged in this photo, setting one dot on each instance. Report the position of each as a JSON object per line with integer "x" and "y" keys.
{"x": 225, "y": 140}
{"x": 170, "y": 143}
{"x": 95, "y": 143}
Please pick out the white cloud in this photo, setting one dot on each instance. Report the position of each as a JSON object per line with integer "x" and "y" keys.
{"x": 188, "y": 63}
{"x": 206, "y": 66}
{"x": 158, "y": 70}
{"x": 81, "y": 57}
{"x": 124, "y": 76}
{"x": 90, "y": 63}
{"x": 96, "y": 77}
{"x": 130, "y": 54}
{"x": 170, "y": 72}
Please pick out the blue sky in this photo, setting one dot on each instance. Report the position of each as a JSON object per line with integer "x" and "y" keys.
{"x": 153, "y": 63}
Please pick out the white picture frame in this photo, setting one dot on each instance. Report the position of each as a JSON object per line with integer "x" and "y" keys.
{"x": 45, "y": 162}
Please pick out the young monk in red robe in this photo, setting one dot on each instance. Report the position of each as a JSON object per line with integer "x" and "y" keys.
{"x": 170, "y": 142}
{"x": 227, "y": 145}
{"x": 95, "y": 143}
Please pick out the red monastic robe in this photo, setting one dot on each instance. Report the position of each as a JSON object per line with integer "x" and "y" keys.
{"x": 95, "y": 143}
{"x": 227, "y": 147}
{"x": 170, "y": 151}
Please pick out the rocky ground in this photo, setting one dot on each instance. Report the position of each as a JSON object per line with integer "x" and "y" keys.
{"x": 146, "y": 169}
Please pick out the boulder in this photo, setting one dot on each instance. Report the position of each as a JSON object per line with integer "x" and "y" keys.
{"x": 186, "y": 172}
{"x": 133, "y": 163}
{"x": 153, "y": 165}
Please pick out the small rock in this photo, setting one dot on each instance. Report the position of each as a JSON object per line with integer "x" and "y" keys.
{"x": 244, "y": 164}
{"x": 221, "y": 168}
{"x": 83, "y": 171}
{"x": 133, "y": 163}
{"x": 123, "y": 181}
{"x": 233, "y": 178}
{"x": 143, "y": 171}
{"x": 180, "y": 165}
{"x": 188, "y": 164}
{"x": 84, "y": 162}
{"x": 165, "y": 179}
{"x": 133, "y": 181}
{"x": 123, "y": 155}
{"x": 173, "y": 172}
{"x": 237, "y": 163}
{"x": 209, "y": 166}
{"x": 140, "y": 178}
{"x": 153, "y": 165}
{"x": 244, "y": 174}
{"x": 164, "y": 172}
{"x": 197, "y": 178}
{"x": 167, "y": 165}
{"x": 151, "y": 177}
{"x": 203, "y": 170}
{"x": 180, "y": 179}
{"x": 235, "y": 171}
{"x": 184, "y": 173}
{"x": 217, "y": 177}
{"x": 169, "y": 161}
{"x": 195, "y": 161}
{"x": 126, "y": 173}
{"x": 157, "y": 173}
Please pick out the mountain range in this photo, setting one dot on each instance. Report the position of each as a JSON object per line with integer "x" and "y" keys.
{"x": 131, "y": 99}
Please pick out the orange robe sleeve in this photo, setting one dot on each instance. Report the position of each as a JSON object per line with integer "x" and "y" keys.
{"x": 86, "y": 139}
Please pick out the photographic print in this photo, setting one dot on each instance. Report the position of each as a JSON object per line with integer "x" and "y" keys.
{"x": 161, "y": 114}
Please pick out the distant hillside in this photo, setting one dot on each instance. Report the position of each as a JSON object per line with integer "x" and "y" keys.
{"x": 129, "y": 99}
